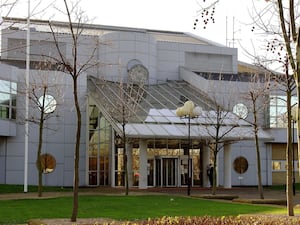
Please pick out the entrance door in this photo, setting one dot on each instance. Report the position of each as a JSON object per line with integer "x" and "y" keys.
{"x": 166, "y": 171}
{"x": 186, "y": 171}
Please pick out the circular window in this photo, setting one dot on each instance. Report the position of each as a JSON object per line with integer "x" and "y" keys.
{"x": 240, "y": 110}
{"x": 48, "y": 163}
{"x": 240, "y": 165}
{"x": 49, "y": 104}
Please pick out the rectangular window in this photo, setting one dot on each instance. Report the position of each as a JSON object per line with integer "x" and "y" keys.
{"x": 276, "y": 166}
{"x": 278, "y": 109}
{"x": 8, "y": 99}
{"x": 280, "y": 165}
{"x": 99, "y": 148}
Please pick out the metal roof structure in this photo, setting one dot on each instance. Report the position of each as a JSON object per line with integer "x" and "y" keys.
{"x": 150, "y": 111}
{"x": 99, "y": 30}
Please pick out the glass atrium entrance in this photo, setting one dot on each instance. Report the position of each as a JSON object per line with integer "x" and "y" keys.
{"x": 150, "y": 119}
{"x": 166, "y": 172}
{"x": 172, "y": 171}
{"x": 167, "y": 164}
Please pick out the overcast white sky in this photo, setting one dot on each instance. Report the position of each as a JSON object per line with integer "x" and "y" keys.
{"x": 172, "y": 15}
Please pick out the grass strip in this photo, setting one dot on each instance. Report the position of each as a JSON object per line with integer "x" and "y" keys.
{"x": 124, "y": 208}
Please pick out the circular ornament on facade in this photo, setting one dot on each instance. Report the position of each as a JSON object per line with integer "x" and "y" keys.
{"x": 138, "y": 74}
{"x": 48, "y": 163}
{"x": 49, "y": 103}
{"x": 240, "y": 165}
{"x": 240, "y": 110}
{"x": 132, "y": 63}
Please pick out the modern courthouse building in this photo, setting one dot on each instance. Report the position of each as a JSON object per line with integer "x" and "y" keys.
{"x": 136, "y": 79}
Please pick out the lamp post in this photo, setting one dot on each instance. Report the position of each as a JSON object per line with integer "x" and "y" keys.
{"x": 26, "y": 138}
{"x": 188, "y": 110}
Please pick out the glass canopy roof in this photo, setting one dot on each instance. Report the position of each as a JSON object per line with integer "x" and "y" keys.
{"x": 149, "y": 111}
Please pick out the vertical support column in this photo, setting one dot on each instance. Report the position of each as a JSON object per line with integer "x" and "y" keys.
{"x": 143, "y": 178}
{"x": 206, "y": 161}
{"x": 129, "y": 164}
{"x": 112, "y": 162}
{"x": 227, "y": 165}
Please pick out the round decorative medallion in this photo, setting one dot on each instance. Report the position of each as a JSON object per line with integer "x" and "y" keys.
{"x": 48, "y": 104}
{"x": 48, "y": 163}
{"x": 240, "y": 165}
{"x": 240, "y": 110}
{"x": 138, "y": 74}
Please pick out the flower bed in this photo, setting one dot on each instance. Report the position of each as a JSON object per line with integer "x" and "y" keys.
{"x": 204, "y": 220}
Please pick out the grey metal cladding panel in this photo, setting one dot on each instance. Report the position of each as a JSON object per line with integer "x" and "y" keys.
{"x": 15, "y": 177}
{"x": 38, "y": 48}
{"x": 8, "y": 128}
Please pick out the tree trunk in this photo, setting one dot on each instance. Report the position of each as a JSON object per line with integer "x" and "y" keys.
{"x": 125, "y": 161}
{"x": 258, "y": 162}
{"x": 297, "y": 119}
{"x": 39, "y": 161}
{"x": 297, "y": 79}
{"x": 39, "y": 151}
{"x": 77, "y": 147}
{"x": 289, "y": 160}
{"x": 214, "y": 187}
{"x": 260, "y": 187}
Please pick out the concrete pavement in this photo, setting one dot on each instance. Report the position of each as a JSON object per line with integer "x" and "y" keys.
{"x": 239, "y": 192}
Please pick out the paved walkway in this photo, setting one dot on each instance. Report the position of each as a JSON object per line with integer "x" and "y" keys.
{"x": 241, "y": 192}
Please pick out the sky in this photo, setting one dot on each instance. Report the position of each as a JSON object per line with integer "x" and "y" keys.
{"x": 232, "y": 17}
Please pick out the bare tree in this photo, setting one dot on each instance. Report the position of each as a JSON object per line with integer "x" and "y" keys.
{"x": 7, "y": 6}
{"x": 291, "y": 35}
{"x": 219, "y": 123}
{"x": 74, "y": 67}
{"x": 123, "y": 110}
{"x": 43, "y": 87}
{"x": 290, "y": 84}
{"x": 257, "y": 97}
{"x": 286, "y": 14}
{"x": 218, "y": 130}
{"x": 282, "y": 52}
{"x": 130, "y": 95}
{"x": 40, "y": 95}
{"x": 286, "y": 84}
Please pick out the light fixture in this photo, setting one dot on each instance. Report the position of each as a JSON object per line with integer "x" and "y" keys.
{"x": 189, "y": 111}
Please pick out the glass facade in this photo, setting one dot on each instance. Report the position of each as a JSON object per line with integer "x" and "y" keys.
{"x": 150, "y": 112}
{"x": 150, "y": 116}
{"x": 281, "y": 165}
{"x": 278, "y": 111}
{"x": 99, "y": 148}
{"x": 167, "y": 164}
{"x": 8, "y": 99}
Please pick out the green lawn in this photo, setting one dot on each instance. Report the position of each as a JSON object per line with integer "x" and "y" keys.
{"x": 123, "y": 208}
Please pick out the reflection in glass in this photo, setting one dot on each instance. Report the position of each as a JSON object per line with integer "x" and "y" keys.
{"x": 5, "y": 86}
{"x": 277, "y": 110}
{"x": 276, "y": 165}
{"x": 4, "y": 99}
{"x": 8, "y": 91}
{"x": 4, "y": 112}
{"x": 99, "y": 148}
